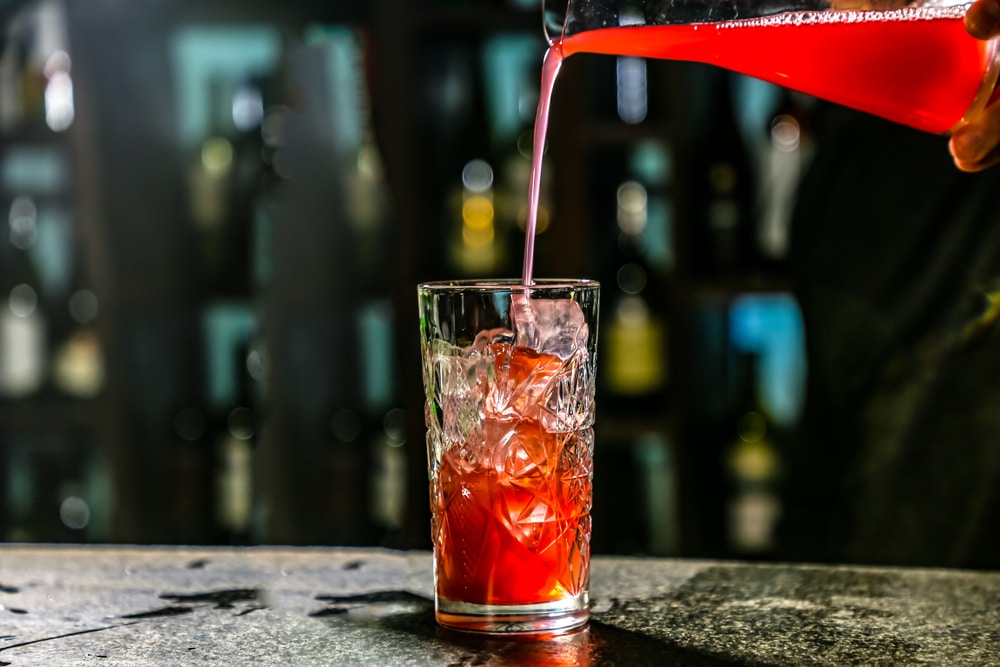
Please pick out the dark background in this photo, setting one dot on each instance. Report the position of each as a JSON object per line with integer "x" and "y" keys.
{"x": 214, "y": 242}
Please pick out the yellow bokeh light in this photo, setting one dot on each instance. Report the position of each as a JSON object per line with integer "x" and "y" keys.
{"x": 477, "y": 221}
{"x": 477, "y": 238}
{"x": 217, "y": 156}
{"x": 477, "y": 212}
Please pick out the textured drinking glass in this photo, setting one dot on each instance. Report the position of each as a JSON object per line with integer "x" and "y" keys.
{"x": 509, "y": 380}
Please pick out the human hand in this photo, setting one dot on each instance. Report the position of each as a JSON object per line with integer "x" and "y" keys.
{"x": 976, "y": 145}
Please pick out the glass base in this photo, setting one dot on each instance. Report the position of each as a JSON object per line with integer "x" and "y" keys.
{"x": 548, "y": 617}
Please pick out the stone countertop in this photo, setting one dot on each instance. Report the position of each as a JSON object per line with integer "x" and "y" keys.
{"x": 111, "y": 605}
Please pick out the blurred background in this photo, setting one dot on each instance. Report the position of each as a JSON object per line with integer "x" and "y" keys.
{"x": 215, "y": 214}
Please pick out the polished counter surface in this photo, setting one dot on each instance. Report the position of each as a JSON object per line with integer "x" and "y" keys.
{"x": 111, "y": 605}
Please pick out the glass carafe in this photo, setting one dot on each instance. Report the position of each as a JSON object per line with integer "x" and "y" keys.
{"x": 913, "y": 63}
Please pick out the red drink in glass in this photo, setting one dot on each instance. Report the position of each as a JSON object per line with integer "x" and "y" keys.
{"x": 510, "y": 441}
{"x": 514, "y": 528}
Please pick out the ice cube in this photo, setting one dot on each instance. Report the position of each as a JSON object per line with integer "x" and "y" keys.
{"x": 521, "y": 450}
{"x": 514, "y": 389}
{"x": 549, "y": 326}
{"x": 454, "y": 390}
{"x": 527, "y": 385}
{"x": 489, "y": 339}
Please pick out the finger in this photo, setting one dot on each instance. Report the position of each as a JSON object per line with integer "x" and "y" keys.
{"x": 990, "y": 159}
{"x": 974, "y": 145}
{"x": 974, "y": 148}
{"x": 982, "y": 19}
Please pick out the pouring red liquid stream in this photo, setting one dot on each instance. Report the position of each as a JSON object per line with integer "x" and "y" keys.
{"x": 550, "y": 70}
{"x": 917, "y": 67}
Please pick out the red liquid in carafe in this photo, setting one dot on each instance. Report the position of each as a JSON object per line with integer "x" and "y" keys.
{"x": 918, "y": 67}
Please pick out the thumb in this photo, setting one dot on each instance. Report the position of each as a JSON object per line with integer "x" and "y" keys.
{"x": 982, "y": 20}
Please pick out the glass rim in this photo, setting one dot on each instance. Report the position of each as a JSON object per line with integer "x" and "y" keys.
{"x": 507, "y": 284}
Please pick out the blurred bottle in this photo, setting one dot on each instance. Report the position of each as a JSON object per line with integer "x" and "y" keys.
{"x": 787, "y": 151}
{"x": 754, "y": 468}
{"x": 23, "y": 325}
{"x": 31, "y": 37}
{"x": 636, "y": 506}
{"x": 231, "y": 423}
{"x": 229, "y": 174}
{"x": 234, "y": 488}
{"x": 475, "y": 242}
{"x": 189, "y": 468}
{"x": 78, "y": 355}
{"x": 637, "y": 369}
{"x": 723, "y": 188}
